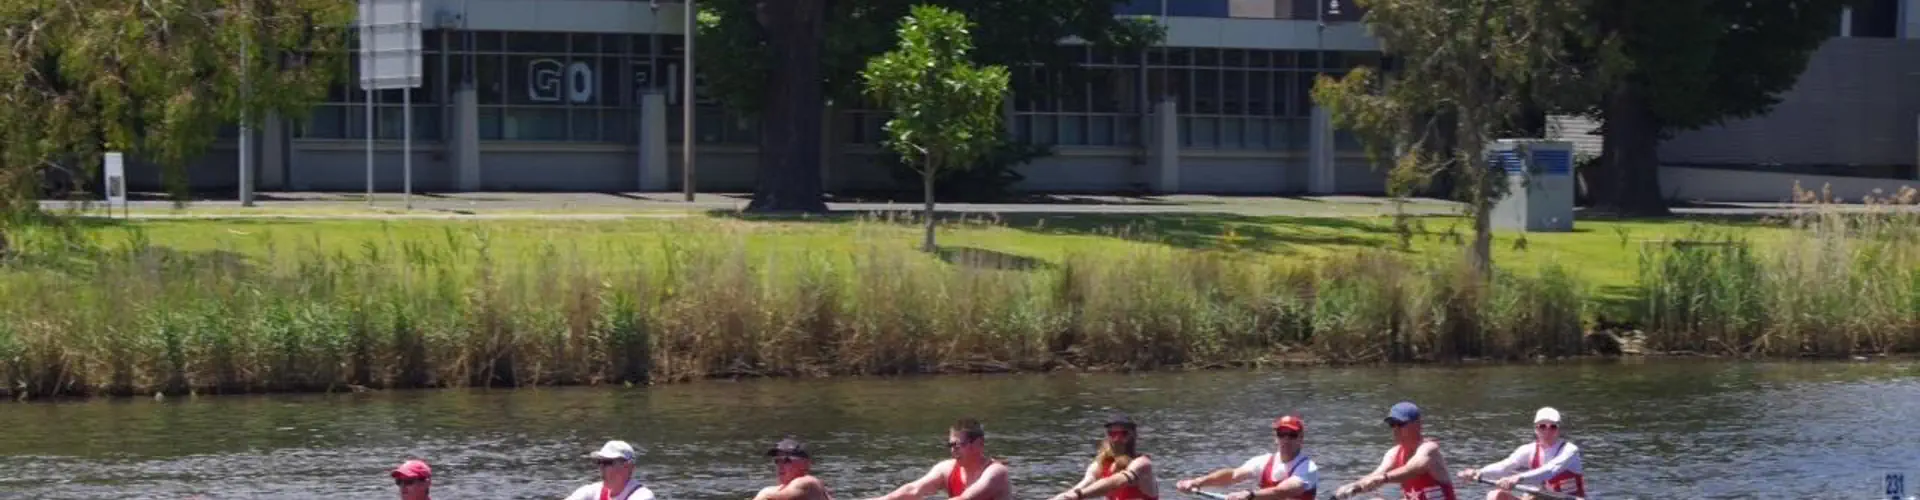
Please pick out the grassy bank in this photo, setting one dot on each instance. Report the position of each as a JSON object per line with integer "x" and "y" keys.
{"x": 92, "y": 307}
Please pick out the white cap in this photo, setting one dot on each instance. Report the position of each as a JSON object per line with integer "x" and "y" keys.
{"x": 614, "y": 450}
{"x": 1547, "y": 414}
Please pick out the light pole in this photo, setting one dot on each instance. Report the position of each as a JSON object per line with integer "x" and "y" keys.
{"x": 686, "y": 107}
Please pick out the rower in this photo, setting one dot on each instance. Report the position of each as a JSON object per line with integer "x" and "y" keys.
{"x": 1548, "y": 459}
{"x": 1414, "y": 462}
{"x": 414, "y": 478}
{"x": 1285, "y": 474}
{"x": 1119, "y": 471}
{"x": 793, "y": 467}
{"x": 616, "y": 476}
{"x": 969, "y": 475}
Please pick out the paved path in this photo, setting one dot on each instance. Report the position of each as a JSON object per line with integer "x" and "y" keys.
{"x": 614, "y": 206}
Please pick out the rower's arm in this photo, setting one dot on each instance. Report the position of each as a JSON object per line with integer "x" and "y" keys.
{"x": 993, "y": 483}
{"x": 800, "y": 489}
{"x": 1087, "y": 479}
{"x": 1136, "y": 469}
{"x": 1290, "y": 488}
{"x": 1416, "y": 464}
{"x": 922, "y": 487}
{"x": 1506, "y": 465}
{"x": 1222, "y": 477}
{"x": 1557, "y": 464}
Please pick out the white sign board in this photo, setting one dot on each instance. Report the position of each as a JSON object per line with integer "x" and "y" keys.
{"x": 114, "y": 164}
{"x": 390, "y": 45}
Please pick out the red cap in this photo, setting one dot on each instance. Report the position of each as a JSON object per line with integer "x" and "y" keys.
{"x": 412, "y": 469}
{"x": 1290, "y": 422}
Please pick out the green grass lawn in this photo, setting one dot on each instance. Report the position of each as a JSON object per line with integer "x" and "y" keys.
{"x": 1603, "y": 253}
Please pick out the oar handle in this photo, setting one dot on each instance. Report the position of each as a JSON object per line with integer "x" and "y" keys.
{"x": 1531, "y": 490}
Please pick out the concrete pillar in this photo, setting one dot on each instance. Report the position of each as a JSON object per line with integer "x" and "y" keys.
{"x": 1846, "y": 22}
{"x": 1320, "y": 149}
{"x": 465, "y": 142}
{"x": 653, "y": 141}
{"x": 273, "y": 153}
{"x": 1166, "y": 146}
{"x": 1909, "y": 25}
{"x": 248, "y": 139}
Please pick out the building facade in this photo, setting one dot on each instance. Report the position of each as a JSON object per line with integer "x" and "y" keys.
{"x": 584, "y": 95}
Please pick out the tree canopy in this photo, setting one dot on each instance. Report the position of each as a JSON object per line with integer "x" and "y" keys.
{"x": 1682, "y": 65}
{"x": 772, "y": 60}
{"x": 155, "y": 79}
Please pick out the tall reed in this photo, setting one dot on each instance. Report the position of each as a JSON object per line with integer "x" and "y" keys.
{"x": 720, "y": 298}
{"x": 1846, "y": 281}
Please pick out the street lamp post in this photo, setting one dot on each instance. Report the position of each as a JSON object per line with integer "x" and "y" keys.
{"x": 686, "y": 107}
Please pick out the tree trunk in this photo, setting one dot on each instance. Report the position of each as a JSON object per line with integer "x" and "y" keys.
{"x": 789, "y": 175}
{"x": 1631, "y": 175}
{"x": 927, "y": 181}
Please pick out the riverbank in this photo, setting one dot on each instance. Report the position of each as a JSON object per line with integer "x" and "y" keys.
{"x": 90, "y": 306}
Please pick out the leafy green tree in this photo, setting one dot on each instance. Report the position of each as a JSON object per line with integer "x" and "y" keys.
{"x": 1685, "y": 64}
{"x": 156, "y": 79}
{"x": 772, "y": 60}
{"x": 1474, "y": 63}
{"x": 946, "y": 110}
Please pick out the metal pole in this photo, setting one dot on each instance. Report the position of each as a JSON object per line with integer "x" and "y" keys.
{"x": 366, "y": 86}
{"x": 686, "y": 108}
{"x": 246, "y": 131}
{"x": 406, "y": 144}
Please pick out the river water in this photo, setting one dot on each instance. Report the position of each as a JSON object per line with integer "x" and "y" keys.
{"x": 1665, "y": 429}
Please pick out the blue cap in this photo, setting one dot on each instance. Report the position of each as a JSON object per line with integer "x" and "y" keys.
{"x": 1403, "y": 412}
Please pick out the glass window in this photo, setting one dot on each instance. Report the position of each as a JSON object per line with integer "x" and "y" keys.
{"x": 1260, "y": 93}
{"x": 534, "y": 123}
{"x": 1233, "y": 94}
{"x": 537, "y": 42}
{"x": 585, "y": 43}
{"x": 1206, "y": 58}
{"x": 1302, "y": 94}
{"x": 489, "y": 83}
{"x": 488, "y": 41}
{"x": 1100, "y": 130}
{"x": 1206, "y": 91}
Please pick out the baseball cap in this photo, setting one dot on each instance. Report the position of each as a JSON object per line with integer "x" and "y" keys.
{"x": 789, "y": 447}
{"x": 614, "y": 450}
{"x": 1119, "y": 419}
{"x": 1290, "y": 422}
{"x": 1403, "y": 412}
{"x": 1547, "y": 414}
{"x": 412, "y": 469}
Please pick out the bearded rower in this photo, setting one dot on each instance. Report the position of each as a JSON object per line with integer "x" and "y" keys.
{"x": 1119, "y": 471}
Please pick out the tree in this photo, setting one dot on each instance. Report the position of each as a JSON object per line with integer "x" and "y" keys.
{"x": 946, "y": 110}
{"x": 771, "y": 60}
{"x": 1472, "y": 63}
{"x": 1685, "y": 64}
{"x": 154, "y": 79}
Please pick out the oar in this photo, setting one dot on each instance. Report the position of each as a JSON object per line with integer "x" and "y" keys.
{"x": 1209, "y": 494}
{"x": 1530, "y": 490}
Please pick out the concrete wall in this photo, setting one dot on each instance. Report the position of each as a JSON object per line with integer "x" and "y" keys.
{"x": 1703, "y": 184}
{"x": 1855, "y": 105}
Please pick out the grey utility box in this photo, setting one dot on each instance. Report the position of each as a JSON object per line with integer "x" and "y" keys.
{"x": 1540, "y": 185}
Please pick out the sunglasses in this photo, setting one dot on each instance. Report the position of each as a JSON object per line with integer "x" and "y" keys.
{"x": 1547, "y": 426}
{"x": 1397, "y": 424}
{"x": 956, "y": 444}
{"x": 609, "y": 462}
{"x": 1286, "y": 434}
{"x": 787, "y": 458}
{"x": 407, "y": 482}
{"x": 1119, "y": 433}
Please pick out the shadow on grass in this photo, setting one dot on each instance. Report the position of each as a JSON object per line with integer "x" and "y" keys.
{"x": 1021, "y": 198}
{"x": 1190, "y": 230}
{"x": 981, "y": 258}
